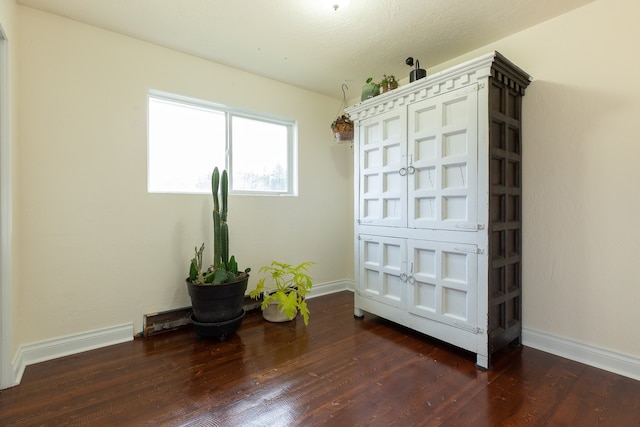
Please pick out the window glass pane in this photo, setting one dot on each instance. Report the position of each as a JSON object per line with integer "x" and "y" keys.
{"x": 187, "y": 138}
{"x": 185, "y": 143}
{"x": 259, "y": 155}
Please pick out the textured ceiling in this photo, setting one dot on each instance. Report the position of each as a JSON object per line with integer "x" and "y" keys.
{"x": 306, "y": 43}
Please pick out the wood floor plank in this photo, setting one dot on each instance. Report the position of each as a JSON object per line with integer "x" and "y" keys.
{"x": 337, "y": 371}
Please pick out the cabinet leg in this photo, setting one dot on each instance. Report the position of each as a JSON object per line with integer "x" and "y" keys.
{"x": 483, "y": 362}
{"x": 357, "y": 313}
{"x": 517, "y": 343}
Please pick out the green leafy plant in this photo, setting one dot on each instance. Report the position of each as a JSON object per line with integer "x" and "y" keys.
{"x": 342, "y": 128}
{"x": 287, "y": 285}
{"x": 342, "y": 121}
{"x": 371, "y": 82}
{"x": 224, "y": 268}
{"x": 389, "y": 80}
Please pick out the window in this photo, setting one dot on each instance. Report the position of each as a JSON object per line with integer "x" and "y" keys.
{"x": 187, "y": 138}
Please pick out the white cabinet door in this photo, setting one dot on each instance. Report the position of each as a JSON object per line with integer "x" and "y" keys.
{"x": 435, "y": 280}
{"x": 382, "y": 153}
{"x": 442, "y": 283}
{"x": 443, "y": 161}
{"x": 380, "y": 269}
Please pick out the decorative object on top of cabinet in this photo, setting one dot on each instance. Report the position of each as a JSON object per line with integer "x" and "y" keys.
{"x": 438, "y": 205}
{"x": 417, "y": 73}
{"x": 388, "y": 83}
{"x": 370, "y": 89}
{"x": 342, "y": 126}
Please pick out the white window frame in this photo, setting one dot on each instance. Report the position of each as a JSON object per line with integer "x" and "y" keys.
{"x": 230, "y": 112}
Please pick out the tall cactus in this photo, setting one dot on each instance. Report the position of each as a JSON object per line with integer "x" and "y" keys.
{"x": 221, "y": 272}
{"x": 224, "y": 268}
{"x": 224, "y": 228}
{"x": 217, "y": 236}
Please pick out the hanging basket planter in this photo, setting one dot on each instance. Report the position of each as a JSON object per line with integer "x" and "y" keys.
{"x": 342, "y": 128}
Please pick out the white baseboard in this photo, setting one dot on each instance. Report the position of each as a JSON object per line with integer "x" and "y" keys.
{"x": 608, "y": 360}
{"x": 327, "y": 288}
{"x": 29, "y": 354}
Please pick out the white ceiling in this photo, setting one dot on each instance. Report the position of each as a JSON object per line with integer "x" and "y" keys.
{"x": 306, "y": 43}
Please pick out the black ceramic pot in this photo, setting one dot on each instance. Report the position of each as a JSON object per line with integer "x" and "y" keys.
{"x": 217, "y": 303}
{"x": 218, "y": 330}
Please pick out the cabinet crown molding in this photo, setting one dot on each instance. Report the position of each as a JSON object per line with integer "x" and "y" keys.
{"x": 493, "y": 65}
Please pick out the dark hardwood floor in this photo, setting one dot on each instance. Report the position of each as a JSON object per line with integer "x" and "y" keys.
{"x": 338, "y": 371}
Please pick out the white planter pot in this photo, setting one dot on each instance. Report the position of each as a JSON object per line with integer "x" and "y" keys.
{"x": 273, "y": 314}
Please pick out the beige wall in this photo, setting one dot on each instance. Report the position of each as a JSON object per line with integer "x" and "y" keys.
{"x": 96, "y": 249}
{"x": 581, "y": 151}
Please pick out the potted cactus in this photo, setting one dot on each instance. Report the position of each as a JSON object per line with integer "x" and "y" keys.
{"x": 217, "y": 293}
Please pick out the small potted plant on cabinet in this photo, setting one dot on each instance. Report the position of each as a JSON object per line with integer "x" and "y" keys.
{"x": 217, "y": 294}
{"x": 283, "y": 289}
{"x": 388, "y": 83}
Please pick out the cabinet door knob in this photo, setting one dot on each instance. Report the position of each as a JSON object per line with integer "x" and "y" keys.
{"x": 411, "y": 170}
{"x": 402, "y": 171}
{"x": 403, "y": 277}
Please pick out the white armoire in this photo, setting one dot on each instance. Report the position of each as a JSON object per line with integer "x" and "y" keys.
{"x": 438, "y": 196}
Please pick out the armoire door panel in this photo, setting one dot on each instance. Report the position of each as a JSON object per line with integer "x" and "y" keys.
{"x": 381, "y": 268}
{"x": 382, "y": 154}
{"x": 442, "y": 283}
{"x": 443, "y": 156}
